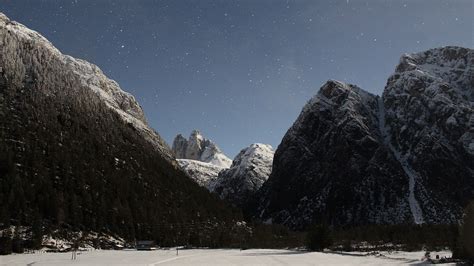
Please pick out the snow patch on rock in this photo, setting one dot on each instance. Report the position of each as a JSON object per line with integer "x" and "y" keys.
{"x": 32, "y": 58}
{"x": 205, "y": 174}
{"x": 197, "y": 147}
{"x": 249, "y": 170}
{"x": 412, "y": 175}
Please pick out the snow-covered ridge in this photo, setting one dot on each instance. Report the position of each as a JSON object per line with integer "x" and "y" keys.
{"x": 236, "y": 180}
{"x": 442, "y": 80}
{"x": 27, "y": 56}
{"x": 249, "y": 170}
{"x": 452, "y": 65}
{"x": 256, "y": 158}
{"x": 15, "y": 36}
{"x": 331, "y": 95}
{"x": 197, "y": 147}
{"x": 204, "y": 174}
{"x": 200, "y": 158}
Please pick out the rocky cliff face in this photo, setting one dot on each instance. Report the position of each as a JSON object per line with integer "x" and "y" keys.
{"x": 200, "y": 149}
{"x": 355, "y": 158}
{"x": 429, "y": 116}
{"x": 76, "y": 151}
{"x": 200, "y": 158}
{"x": 332, "y": 166}
{"x": 249, "y": 170}
{"x": 210, "y": 168}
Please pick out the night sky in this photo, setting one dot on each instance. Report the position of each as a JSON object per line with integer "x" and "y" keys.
{"x": 240, "y": 71}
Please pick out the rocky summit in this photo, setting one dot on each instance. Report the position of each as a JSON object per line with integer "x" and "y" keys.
{"x": 200, "y": 158}
{"x": 249, "y": 170}
{"x": 353, "y": 158}
{"x": 198, "y": 148}
{"x": 234, "y": 181}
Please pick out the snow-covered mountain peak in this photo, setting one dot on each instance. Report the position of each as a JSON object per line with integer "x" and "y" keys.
{"x": 197, "y": 147}
{"x": 437, "y": 87}
{"x": 196, "y": 136}
{"x": 32, "y": 59}
{"x": 205, "y": 174}
{"x": 428, "y": 104}
{"x": 16, "y": 36}
{"x": 446, "y": 65}
{"x": 334, "y": 89}
{"x": 344, "y": 100}
{"x": 442, "y": 57}
{"x": 398, "y": 151}
{"x": 335, "y": 92}
{"x": 249, "y": 170}
{"x": 254, "y": 154}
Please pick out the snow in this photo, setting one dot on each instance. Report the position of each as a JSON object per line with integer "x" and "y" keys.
{"x": 220, "y": 160}
{"x": 428, "y": 105}
{"x": 249, "y": 170}
{"x": 29, "y": 52}
{"x": 412, "y": 175}
{"x": 205, "y": 174}
{"x": 218, "y": 257}
{"x": 258, "y": 156}
{"x": 197, "y": 147}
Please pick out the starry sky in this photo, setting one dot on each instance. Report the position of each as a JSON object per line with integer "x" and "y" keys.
{"x": 241, "y": 70}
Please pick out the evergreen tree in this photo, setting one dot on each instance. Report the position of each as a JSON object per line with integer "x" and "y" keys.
{"x": 466, "y": 238}
{"x": 319, "y": 237}
{"x": 5, "y": 245}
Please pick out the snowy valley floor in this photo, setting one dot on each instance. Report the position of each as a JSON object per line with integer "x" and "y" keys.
{"x": 216, "y": 257}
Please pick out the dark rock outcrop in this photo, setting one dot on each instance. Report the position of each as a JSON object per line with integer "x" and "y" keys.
{"x": 354, "y": 158}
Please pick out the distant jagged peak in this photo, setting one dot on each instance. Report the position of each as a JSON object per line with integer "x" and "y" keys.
{"x": 199, "y": 148}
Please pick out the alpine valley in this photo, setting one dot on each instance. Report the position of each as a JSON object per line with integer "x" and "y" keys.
{"x": 78, "y": 155}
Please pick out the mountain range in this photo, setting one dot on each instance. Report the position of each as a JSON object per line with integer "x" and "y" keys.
{"x": 236, "y": 180}
{"x": 76, "y": 152}
{"x": 354, "y": 158}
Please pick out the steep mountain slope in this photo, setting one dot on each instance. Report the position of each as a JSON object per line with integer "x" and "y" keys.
{"x": 200, "y": 149}
{"x": 204, "y": 174}
{"x": 76, "y": 151}
{"x": 249, "y": 170}
{"x": 332, "y": 166}
{"x": 429, "y": 103}
{"x": 354, "y": 158}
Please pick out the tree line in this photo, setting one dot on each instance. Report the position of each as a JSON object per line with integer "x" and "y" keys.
{"x": 68, "y": 162}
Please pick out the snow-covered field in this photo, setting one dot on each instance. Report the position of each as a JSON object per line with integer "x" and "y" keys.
{"x": 216, "y": 257}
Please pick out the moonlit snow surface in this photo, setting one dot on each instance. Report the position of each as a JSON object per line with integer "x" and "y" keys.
{"x": 217, "y": 257}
